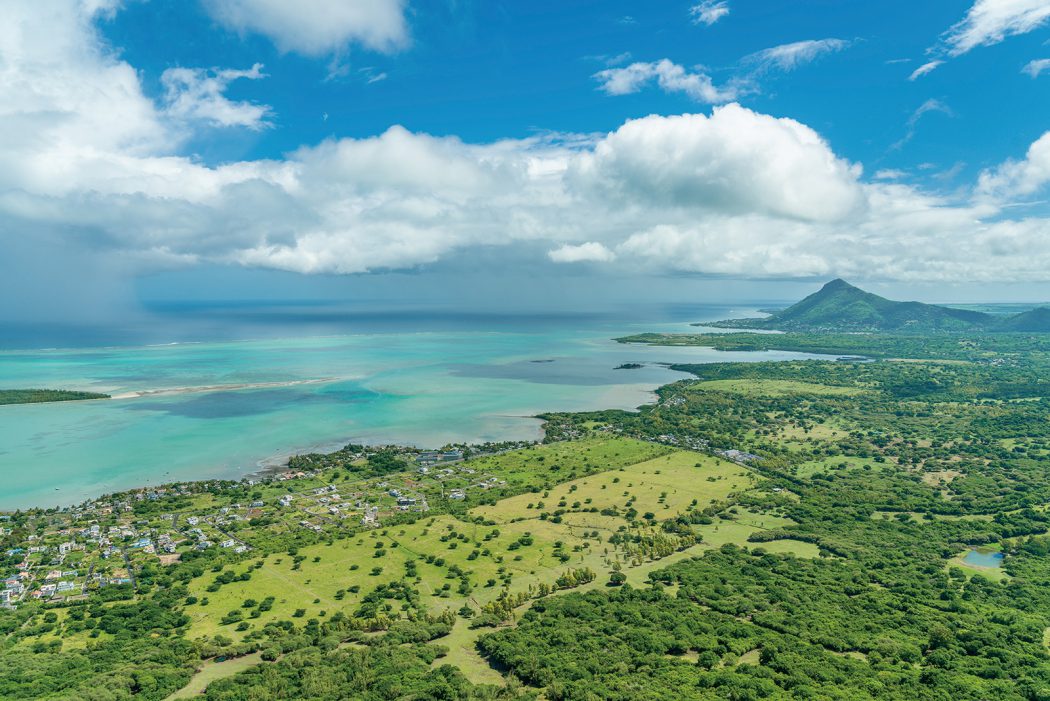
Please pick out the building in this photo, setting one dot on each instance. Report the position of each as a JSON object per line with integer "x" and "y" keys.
{"x": 738, "y": 456}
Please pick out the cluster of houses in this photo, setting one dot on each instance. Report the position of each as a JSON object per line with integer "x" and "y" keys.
{"x": 460, "y": 493}
{"x": 14, "y": 589}
{"x": 404, "y": 501}
{"x": 41, "y": 575}
{"x": 688, "y": 442}
{"x": 699, "y": 444}
{"x": 433, "y": 457}
{"x": 335, "y": 505}
{"x": 738, "y": 456}
{"x": 49, "y": 567}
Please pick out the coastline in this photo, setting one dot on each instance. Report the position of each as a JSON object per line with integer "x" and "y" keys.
{"x": 491, "y": 419}
{"x": 168, "y": 391}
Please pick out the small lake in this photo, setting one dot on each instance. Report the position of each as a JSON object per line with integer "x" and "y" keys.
{"x": 977, "y": 558}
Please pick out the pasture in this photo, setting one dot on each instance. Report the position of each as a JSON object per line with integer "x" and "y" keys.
{"x": 774, "y": 388}
{"x": 663, "y": 486}
{"x": 515, "y": 546}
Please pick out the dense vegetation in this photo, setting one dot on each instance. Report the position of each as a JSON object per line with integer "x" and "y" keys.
{"x": 37, "y": 396}
{"x": 376, "y": 673}
{"x": 970, "y": 347}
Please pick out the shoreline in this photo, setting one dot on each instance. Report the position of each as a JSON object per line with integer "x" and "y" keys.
{"x": 273, "y": 465}
{"x": 168, "y": 391}
{"x": 264, "y": 472}
{"x": 640, "y": 394}
{"x": 276, "y": 463}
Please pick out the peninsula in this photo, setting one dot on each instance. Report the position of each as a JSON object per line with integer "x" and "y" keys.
{"x": 40, "y": 396}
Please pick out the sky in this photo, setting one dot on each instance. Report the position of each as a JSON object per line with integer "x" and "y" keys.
{"x": 488, "y": 153}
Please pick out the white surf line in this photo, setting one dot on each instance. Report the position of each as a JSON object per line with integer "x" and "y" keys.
{"x": 219, "y": 388}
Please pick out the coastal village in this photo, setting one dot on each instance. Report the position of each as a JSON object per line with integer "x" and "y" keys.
{"x": 110, "y": 543}
{"x": 66, "y": 554}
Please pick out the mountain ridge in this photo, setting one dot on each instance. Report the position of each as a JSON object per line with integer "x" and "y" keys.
{"x": 839, "y": 306}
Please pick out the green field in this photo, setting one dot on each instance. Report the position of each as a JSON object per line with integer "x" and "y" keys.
{"x": 518, "y": 551}
{"x": 774, "y": 388}
{"x": 664, "y": 486}
{"x": 461, "y": 641}
{"x": 557, "y": 462}
{"x": 211, "y": 671}
{"x": 349, "y": 563}
{"x": 814, "y": 467}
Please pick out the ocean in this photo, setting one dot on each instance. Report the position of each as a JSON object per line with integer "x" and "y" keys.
{"x": 219, "y": 391}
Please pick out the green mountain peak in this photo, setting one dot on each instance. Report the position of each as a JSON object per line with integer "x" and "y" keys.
{"x": 840, "y": 306}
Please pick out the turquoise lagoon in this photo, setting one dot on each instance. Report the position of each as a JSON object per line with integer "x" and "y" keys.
{"x": 224, "y": 409}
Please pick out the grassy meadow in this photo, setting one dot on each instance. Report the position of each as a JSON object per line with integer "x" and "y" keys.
{"x": 511, "y": 547}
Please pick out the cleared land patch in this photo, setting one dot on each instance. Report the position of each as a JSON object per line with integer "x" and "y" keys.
{"x": 986, "y": 572}
{"x": 935, "y": 479}
{"x": 555, "y": 462}
{"x": 212, "y": 671}
{"x": 663, "y": 486}
{"x": 838, "y": 462}
{"x": 775, "y": 388}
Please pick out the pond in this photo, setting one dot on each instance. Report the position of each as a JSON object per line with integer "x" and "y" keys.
{"x": 976, "y": 558}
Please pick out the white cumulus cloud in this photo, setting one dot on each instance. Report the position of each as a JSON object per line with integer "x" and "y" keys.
{"x": 197, "y": 93}
{"x": 669, "y": 76}
{"x": 93, "y": 173}
{"x": 584, "y": 252}
{"x": 317, "y": 27}
{"x": 736, "y": 160}
{"x": 1019, "y": 178}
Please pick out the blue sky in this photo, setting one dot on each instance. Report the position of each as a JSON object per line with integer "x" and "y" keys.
{"x": 483, "y": 71}
{"x": 238, "y": 148}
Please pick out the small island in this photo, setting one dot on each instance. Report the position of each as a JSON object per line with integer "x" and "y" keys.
{"x": 40, "y": 396}
{"x": 629, "y": 366}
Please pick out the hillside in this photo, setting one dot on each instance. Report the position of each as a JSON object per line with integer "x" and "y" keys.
{"x": 1036, "y": 320}
{"x": 839, "y": 306}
